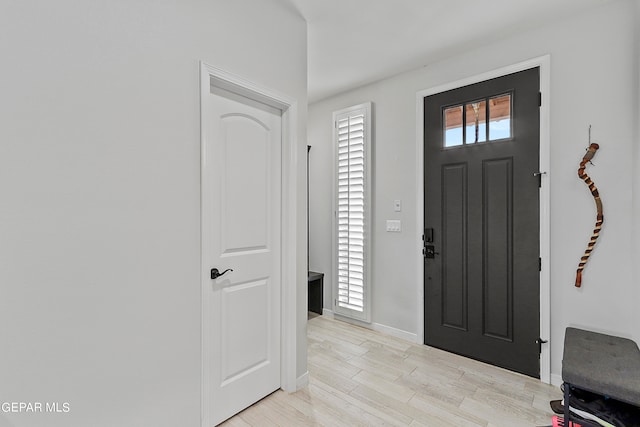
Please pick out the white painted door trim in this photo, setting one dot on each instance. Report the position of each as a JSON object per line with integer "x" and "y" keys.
{"x": 544, "y": 62}
{"x": 214, "y": 76}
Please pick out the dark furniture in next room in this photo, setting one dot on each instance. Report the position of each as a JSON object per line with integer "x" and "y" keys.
{"x": 315, "y": 285}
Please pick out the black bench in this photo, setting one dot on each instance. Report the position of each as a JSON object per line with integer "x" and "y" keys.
{"x": 602, "y": 364}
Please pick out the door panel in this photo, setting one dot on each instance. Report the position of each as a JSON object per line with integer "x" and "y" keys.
{"x": 498, "y": 237}
{"x": 245, "y": 183}
{"x": 245, "y": 345}
{"x": 481, "y": 199}
{"x": 454, "y": 280}
{"x": 241, "y": 231}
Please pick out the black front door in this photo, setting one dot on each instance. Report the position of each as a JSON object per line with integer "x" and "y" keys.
{"x": 482, "y": 217}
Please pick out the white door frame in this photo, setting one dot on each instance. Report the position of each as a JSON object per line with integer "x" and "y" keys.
{"x": 219, "y": 78}
{"x": 544, "y": 63}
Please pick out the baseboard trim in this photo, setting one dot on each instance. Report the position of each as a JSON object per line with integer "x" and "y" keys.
{"x": 327, "y": 312}
{"x": 388, "y": 330}
{"x": 302, "y": 381}
{"x": 398, "y": 333}
{"x": 556, "y": 380}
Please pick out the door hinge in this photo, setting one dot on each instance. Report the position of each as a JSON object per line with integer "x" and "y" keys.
{"x": 540, "y": 341}
{"x": 539, "y": 264}
{"x": 539, "y": 99}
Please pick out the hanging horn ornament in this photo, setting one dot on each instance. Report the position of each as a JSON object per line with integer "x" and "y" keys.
{"x": 591, "y": 151}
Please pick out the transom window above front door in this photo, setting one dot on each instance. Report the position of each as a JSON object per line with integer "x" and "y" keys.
{"x": 466, "y": 124}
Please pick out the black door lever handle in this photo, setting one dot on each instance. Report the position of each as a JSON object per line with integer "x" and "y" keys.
{"x": 215, "y": 273}
{"x": 429, "y": 251}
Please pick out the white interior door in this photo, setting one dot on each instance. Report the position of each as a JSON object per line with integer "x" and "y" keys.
{"x": 241, "y": 192}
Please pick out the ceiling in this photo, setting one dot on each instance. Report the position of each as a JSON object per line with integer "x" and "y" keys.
{"x": 355, "y": 42}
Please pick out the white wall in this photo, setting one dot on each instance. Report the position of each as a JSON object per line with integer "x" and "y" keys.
{"x": 636, "y": 180}
{"x": 594, "y": 80}
{"x": 100, "y": 197}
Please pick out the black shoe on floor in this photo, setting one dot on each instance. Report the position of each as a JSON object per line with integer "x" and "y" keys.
{"x": 556, "y": 406}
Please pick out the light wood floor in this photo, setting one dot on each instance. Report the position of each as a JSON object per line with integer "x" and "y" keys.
{"x": 360, "y": 377}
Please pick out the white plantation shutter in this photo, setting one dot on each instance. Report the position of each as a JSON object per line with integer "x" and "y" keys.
{"x": 352, "y": 222}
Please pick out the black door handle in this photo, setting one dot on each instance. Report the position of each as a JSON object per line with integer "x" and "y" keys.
{"x": 215, "y": 273}
{"x": 429, "y": 251}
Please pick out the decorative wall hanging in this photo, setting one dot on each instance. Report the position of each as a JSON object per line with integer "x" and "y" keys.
{"x": 591, "y": 151}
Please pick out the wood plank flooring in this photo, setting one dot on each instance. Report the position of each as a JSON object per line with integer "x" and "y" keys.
{"x": 360, "y": 377}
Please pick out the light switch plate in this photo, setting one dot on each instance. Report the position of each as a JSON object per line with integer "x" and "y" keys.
{"x": 394, "y": 225}
{"x": 397, "y": 205}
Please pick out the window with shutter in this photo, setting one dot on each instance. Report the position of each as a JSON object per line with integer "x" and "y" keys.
{"x": 352, "y": 143}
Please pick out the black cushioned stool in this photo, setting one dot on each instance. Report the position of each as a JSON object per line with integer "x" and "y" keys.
{"x": 602, "y": 364}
